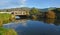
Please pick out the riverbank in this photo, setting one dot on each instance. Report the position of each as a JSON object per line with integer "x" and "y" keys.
{"x": 6, "y": 18}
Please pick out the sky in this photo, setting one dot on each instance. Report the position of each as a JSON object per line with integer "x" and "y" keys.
{"x": 29, "y": 3}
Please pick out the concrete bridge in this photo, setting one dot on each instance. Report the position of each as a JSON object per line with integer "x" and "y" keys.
{"x": 18, "y": 13}
{"x": 21, "y": 14}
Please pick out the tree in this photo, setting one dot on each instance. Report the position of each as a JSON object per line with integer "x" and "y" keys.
{"x": 50, "y": 14}
{"x": 57, "y": 11}
{"x": 34, "y": 11}
{"x": 7, "y": 10}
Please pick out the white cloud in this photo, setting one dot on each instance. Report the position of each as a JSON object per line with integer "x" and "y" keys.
{"x": 22, "y": 2}
{"x": 22, "y": 5}
{"x": 12, "y": 3}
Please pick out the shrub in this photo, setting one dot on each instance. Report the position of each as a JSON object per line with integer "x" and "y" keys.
{"x": 4, "y": 31}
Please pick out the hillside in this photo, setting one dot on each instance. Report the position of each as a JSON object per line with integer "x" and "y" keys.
{"x": 14, "y": 9}
{"x": 25, "y": 8}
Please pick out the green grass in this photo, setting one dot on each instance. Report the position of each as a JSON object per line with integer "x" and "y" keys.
{"x": 5, "y": 31}
{"x": 4, "y": 18}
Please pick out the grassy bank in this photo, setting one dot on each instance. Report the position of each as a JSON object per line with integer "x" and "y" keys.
{"x": 4, "y": 31}
{"x": 5, "y": 18}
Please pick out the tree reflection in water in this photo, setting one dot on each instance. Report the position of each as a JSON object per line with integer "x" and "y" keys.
{"x": 52, "y": 21}
{"x": 45, "y": 20}
{"x": 57, "y": 22}
{"x": 49, "y": 21}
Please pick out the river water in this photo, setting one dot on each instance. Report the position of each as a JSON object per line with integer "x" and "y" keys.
{"x": 35, "y": 27}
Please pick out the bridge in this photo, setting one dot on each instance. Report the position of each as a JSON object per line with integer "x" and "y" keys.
{"x": 21, "y": 13}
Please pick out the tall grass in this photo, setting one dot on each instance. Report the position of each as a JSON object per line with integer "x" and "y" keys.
{"x": 5, "y": 18}
{"x": 5, "y": 31}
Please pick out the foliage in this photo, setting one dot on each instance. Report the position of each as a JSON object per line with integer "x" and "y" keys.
{"x": 57, "y": 11}
{"x": 51, "y": 14}
{"x": 1, "y": 23}
{"x": 34, "y": 11}
{"x": 4, "y": 31}
{"x": 4, "y": 18}
{"x": 11, "y": 32}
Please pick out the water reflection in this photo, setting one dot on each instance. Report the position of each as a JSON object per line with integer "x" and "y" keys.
{"x": 57, "y": 22}
{"x": 49, "y": 21}
{"x": 20, "y": 21}
{"x": 33, "y": 27}
{"x": 52, "y": 21}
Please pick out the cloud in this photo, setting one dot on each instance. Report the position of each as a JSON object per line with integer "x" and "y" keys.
{"x": 12, "y": 3}
{"x": 22, "y": 2}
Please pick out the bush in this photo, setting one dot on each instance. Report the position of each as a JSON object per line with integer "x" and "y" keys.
{"x": 4, "y": 31}
{"x": 51, "y": 14}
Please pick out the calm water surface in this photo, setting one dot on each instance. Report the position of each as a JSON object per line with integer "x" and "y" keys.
{"x": 35, "y": 27}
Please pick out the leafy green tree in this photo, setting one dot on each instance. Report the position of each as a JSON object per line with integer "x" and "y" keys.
{"x": 34, "y": 11}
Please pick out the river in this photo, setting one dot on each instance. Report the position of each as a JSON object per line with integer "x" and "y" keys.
{"x": 35, "y": 27}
